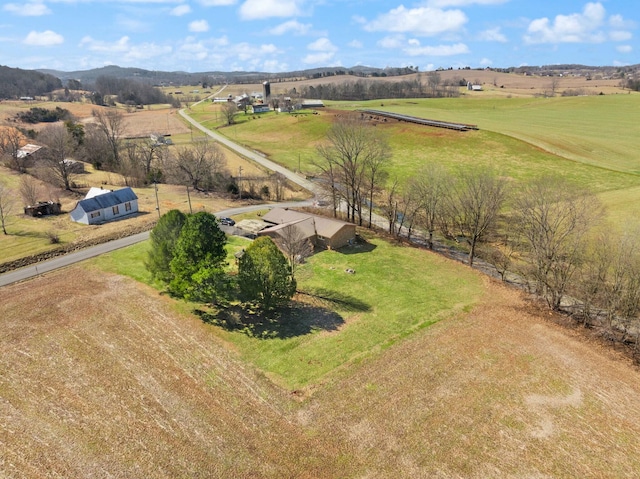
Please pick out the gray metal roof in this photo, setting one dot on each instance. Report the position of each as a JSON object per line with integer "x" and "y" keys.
{"x": 107, "y": 200}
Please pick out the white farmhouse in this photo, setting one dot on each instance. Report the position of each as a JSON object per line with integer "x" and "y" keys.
{"x": 104, "y": 207}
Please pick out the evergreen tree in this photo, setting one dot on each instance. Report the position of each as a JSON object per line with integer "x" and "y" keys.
{"x": 163, "y": 240}
{"x": 264, "y": 275}
{"x": 198, "y": 260}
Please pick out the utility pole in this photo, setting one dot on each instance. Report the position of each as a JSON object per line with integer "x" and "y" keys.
{"x": 189, "y": 198}
{"x": 239, "y": 186}
{"x": 155, "y": 184}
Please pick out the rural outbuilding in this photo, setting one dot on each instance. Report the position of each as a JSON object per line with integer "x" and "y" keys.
{"x": 104, "y": 207}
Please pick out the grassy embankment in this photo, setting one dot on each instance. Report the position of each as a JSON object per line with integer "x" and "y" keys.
{"x": 347, "y": 317}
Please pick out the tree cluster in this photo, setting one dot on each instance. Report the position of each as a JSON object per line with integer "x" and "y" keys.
{"x": 547, "y": 232}
{"x": 188, "y": 255}
{"x": 44, "y": 115}
{"x": 371, "y": 90}
{"x": 129, "y": 92}
{"x": 352, "y": 166}
{"x": 16, "y": 83}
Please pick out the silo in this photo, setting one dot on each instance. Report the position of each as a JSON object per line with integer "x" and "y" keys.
{"x": 266, "y": 86}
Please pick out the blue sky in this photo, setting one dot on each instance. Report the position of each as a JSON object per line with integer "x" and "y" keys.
{"x": 286, "y": 35}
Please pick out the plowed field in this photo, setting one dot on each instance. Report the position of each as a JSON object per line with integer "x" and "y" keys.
{"x": 101, "y": 377}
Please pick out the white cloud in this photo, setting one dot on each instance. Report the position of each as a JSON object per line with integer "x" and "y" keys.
{"x": 323, "y": 52}
{"x": 274, "y": 66}
{"x": 423, "y": 21}
{"x": 624, "y": 48}
{"x": 619, "y": 23}
{"x": 145, "y": 51}
{"x": 122, "y": 45}
{"x": 492, "y": 35}
{"x": 220, "y": 53}
{"x": 485, "y": 62}
{"x": 180, "y": 10}
{"x": 292, "y": 26}
{"x": 321, "y": 58}
{"x": 33, "y": 9}
{"x": 355, "y": 44}
{"x": 199, "y": 26}
{"x": 574, "y": 28}
{"x": 463, "y": 3}
{"x": 393, "y": 41}
{"x": 43, "y": 39}
{"x": 437, "y": 51}
{"x": 260, "y": 9}
{"x": 620, "y": 36}
{"x": 322, "y": 44}
{"x": 216, "y": 3}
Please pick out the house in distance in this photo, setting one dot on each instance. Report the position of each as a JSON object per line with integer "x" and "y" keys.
{"x": 100, "y": 206}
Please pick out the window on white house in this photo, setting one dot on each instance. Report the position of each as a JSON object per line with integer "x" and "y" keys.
{"x": 127, "y": 206}
{"x": 115, "y": 209}
{"x": 95, "y": 214}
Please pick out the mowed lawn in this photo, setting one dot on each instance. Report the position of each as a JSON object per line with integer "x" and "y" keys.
{"x": 342, "y": 318}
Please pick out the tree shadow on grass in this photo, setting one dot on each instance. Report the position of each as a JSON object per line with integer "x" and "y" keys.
{"x": 308, "y": 313}
{"x": 360, "y": 245}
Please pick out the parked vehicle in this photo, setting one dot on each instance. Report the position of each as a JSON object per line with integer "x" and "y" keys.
{"x": 227, "y": 221}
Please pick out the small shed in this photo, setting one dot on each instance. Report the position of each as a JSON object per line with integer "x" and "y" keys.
{"x": 43, "y": 208}
{"x": 261, "y": 108}
{"x": 105, "y": 207}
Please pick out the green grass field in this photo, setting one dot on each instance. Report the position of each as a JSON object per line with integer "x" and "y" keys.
{"x": 597, "y": 130}
{"x": 590, "y": 140}
{"x": 346, "y": 317}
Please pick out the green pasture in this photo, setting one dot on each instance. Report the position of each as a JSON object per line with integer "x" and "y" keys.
{"x": 598, "y": 130}
{"x": 590, "y": 140}
{"x": 346, "y": 318}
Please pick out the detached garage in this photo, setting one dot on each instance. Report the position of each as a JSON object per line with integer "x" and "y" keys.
{"x": 104, "y": 207}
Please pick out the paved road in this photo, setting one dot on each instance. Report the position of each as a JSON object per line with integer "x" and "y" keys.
{"x": 254, "y": 156}
{"x": 27, "y": 272}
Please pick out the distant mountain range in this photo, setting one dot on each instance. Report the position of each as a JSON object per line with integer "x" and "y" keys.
{"x": 157, "y": 77}
{"x": 185, "y": 78}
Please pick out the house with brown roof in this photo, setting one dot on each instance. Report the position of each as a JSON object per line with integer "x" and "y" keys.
{"x": 321, "y": 231}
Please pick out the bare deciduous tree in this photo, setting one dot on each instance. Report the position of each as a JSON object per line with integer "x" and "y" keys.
{"x": 431, "y": 184}
{"x": 56, "y": 155}
{"x": 198, "y": 166}
{"x": 95, "y": 148}
{"x": 11, "y": 140}
{"x": 295, "y": 246}
{"x": 474, "y": 203}
{"x": 6, "y": 206}
{"x": 30, "y": 190}
{"x": 111, "y": 124}
{"x": 229, "y": 110}
{"x": 553, "y": 218}
{"x": 352, "y": 160}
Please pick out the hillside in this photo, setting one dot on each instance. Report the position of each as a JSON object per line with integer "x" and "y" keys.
{"x": 319, "y": 74}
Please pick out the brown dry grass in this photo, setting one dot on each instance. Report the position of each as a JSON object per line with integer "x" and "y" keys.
{"x": 106, "y": 379}
{"x": 495, "y": 83}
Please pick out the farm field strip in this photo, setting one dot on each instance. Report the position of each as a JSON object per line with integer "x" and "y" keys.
{"x": 493, "y": 390}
